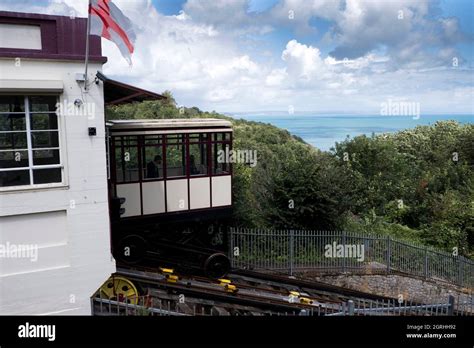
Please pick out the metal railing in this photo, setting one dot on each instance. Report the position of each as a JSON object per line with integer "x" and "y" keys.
{"x": 357, "y": 307}
{"x": 408, "y": 308}
{"x": 291, "y": 251}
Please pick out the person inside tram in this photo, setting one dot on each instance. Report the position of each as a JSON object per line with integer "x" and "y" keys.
{"x": 193, "y": 168}
{"x": 152, "y": 168}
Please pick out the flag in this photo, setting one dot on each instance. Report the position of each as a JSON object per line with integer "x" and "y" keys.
{"x": 106, "y": 20}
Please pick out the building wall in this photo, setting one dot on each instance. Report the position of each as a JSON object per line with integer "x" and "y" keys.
{"x": 68, "y": 223}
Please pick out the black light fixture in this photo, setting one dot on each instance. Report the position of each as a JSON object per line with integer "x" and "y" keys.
{"x": 92, "y": 131}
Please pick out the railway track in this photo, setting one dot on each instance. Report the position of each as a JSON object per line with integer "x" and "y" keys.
{"x": 240, "y": 293}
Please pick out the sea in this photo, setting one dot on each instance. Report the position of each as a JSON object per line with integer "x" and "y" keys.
{"x": 324, "y": 131}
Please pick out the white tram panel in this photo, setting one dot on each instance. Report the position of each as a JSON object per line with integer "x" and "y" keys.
{"x": 153, "y": 197}
{"x": 131, "y": 193}
{"x": 200, "y": 193}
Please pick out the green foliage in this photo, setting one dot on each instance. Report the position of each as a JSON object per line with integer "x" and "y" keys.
{"x": 420, "y": 179}
{"x": 417, "y": 184}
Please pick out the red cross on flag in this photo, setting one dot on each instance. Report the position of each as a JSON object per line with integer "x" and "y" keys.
{"x": 106, "y": 20}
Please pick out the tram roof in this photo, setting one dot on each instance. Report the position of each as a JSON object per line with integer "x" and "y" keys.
{"x": 175, "y": 123}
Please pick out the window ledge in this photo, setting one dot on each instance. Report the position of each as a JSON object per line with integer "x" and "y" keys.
{"x": 33, "y": 188}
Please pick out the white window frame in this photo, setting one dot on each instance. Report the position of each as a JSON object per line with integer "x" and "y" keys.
{"x": 30, "y": 150}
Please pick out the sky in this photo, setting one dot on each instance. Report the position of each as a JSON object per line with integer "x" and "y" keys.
{"x": 308, "y": 56}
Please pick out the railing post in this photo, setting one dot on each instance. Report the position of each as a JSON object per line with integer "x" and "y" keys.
{"x": 292, "y": 247}
{"x": 460, "y": 271}
{"x": 451, "y": 305}
{"x": 426, "y": 263}
{"x": 344, "y": 258}
{"x": 389, "y": 253}
{"x": 350, "y": 307}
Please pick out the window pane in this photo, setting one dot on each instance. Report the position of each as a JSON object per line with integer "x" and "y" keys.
{"x": 200, "y": 137}
{"x": 127, "y": 164}
{"x": 46, "y": 176}
{"x": 152, "y": 139}
{"x": 14, "y": 178}
{"x": 221, "y": 136}
{"x": 16, "y": 140}
{"x": 118, "y": 161}
{"x": 13, "y": 159}
{"x": 175, "y": 139}
{"x": 45, "y": 139}
{"x": 12, "y": 122}
{"x": 130, "y": 140}
{"x": 12, "y": 103}
{"x": 198, "y": 159}
{"x": 219, "y": 159}
{"x": 130, "y": 159}
{"x": 44, "y": 157}
{"x": 175, "y": 160}
{"x": 44, "y": 121}
{"x": 43, "y": 103}
{"x": 152, "y": 162}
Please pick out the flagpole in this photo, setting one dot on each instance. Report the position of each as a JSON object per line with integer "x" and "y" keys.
{"x": 87, "y": 43}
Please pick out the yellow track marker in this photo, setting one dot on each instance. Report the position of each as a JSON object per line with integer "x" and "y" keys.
{"x": 306, "y": 300}
{"x": 224, "y": 282}
{"x": 172, "y": 278}
{"x": 230, "y": 288}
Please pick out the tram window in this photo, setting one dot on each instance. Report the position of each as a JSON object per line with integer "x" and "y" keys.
{"x": 153, "y": 139}
{"x": 175, "y": 155}
{"x": 198, "y": 137}
{"x": 221, "y": 137}
{"x": 198, "y": 159}
{"x": 126, "y": 159}
{"x": 152, "y": 162}
{"x": 220, "y": 161}
{"x": 175, "y": 139}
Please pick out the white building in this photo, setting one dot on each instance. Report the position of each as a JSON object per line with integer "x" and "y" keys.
{"x": 54, "y": 214}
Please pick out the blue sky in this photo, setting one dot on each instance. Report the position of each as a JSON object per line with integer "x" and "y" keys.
{"x": 462, "y": 10}
{"x": 320, "y": 56}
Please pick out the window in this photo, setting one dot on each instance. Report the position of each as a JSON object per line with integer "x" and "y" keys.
{"x": 175, "y": 156}
{"x": 221, "y": 153}
{"x": 152, "y": 154}
{"x": 126, "y": 159}
{"x": 29, "y": 141}
{"x": 198, "y": 163}
{"x": 172, "y": 156}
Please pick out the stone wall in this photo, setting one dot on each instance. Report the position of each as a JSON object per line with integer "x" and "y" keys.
{"x": 412, "y": 289}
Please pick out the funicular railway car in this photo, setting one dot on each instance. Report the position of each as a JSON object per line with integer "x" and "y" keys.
{"x": 170, "y": 192}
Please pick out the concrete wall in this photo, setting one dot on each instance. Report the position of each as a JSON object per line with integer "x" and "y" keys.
{"x": 68, "y": 222}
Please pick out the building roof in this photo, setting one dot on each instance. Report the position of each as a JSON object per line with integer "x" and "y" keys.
{"x": 62, "y": 38}
{"x": 116, "y": 92}
{"x": 175, "y": 123}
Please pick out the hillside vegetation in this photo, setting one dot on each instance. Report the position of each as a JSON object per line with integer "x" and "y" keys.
{"x": 416, "y": 185}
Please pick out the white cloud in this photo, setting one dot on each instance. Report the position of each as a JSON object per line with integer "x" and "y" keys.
{"x": 302, "y": 61}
